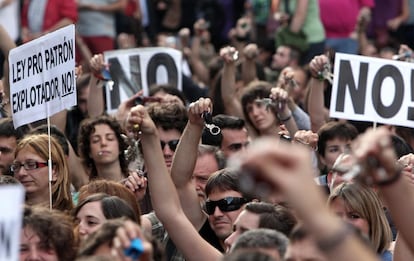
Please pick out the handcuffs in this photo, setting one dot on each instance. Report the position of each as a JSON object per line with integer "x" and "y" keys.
{"x": 208, "y": 123}
{"x": 326, "y": 73}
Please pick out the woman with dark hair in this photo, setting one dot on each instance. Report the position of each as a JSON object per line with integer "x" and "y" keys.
{"x": 46, "y": 235}
{"x": 94, "y": 210}
{"x": 101, "y": 242}
{"x": 101, "y": 148}
{"x": 113, "y": 188}
{"x": 265, "y": 109}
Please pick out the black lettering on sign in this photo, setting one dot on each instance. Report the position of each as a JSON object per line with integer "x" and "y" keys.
{"x": 68, "y": 83}
{"x": 130, "y": 86}
{"x": 59, "y": 54}
{"x": 35, "y": 64}
{"x": 358, "y": 92}
{"x": 384, "y": 72}
{"x": 162, "y": 59}
{"x": 6, "y": 234}
{"x": 410, "y": 112}
{"x": 18, "y": 70}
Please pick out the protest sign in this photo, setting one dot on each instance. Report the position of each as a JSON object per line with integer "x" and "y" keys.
{"x": 373, "y": 89}
{"x": 11, "y": 212}
{"x": 42, "y": 76}
{"x": 137, "y": 69}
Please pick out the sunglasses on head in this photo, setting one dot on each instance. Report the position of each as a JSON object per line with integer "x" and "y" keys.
{"x": 172, "y": 144}
{"x": 226, "y": 204}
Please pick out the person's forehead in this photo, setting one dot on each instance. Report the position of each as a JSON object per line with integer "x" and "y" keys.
{"x": 7, "y": 140}
{"x": 304, "y": 248}
{"x": 217, "y": 194}
{"x": 167, "y": 135}
{"x": 282, "y": 50}
{"x": 247, "y": 219}
{"x": 102, "y": 127}
{"x": 234, "y": 134}
{"x": 206, "y": 164}
{"x": 337, "y": 141}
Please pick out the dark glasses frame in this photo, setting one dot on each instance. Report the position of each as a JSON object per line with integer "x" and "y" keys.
{"x": 27, "y": 165}
{"x": 172, "y": 144}
{"x": 226, "y": 204}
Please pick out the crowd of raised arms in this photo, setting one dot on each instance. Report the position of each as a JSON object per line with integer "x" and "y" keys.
{"x": 241, "y": 161}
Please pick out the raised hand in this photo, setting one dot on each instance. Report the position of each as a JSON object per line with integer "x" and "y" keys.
{"x": 229, "y": 54}
{"x": 138, "y": 120}
{"x": 137, "y": 183}
{"x": 376, "y": 157}
{"x": 196, "y": 110}
{"x": 125, "y": 236}
{"x": 307, "y": 137}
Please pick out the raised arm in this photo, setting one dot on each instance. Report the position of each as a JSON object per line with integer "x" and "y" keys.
{"x": 395, "y": 22}
{"x": 198, "y": 67}
{"x": 96, "y": 98}
{"x": 394, "y": 187}
{"x": 280, "y": 99}
{"x": 316, "y": 102}
{"x": 248, "y": 65}
{"x": 229, "y": 93}
{"x": 287, "y": 82}
{"x": 184, "y": 161}
{"x": 6, "y": 44}
{"x": 164, "y": 195}
{"x": 294, "y": 182}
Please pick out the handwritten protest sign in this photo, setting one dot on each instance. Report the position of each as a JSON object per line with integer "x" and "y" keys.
{"x": 373, "y": 89}
{"x": 137, "y": 69}
{"x": 11, "y": 212}
{"x": 42, "y": 76}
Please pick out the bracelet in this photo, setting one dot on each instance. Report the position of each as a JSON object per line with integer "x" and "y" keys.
{"x": 333, "y": 241}
{"x": 285, "y": 119}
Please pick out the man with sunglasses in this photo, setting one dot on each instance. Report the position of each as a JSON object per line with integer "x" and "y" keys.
{"x": 170, "y": 119}
{"x": 224, "y": 202}
{"x": 224, "y": 199}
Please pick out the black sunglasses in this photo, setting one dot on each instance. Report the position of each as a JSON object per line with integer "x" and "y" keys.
{"x": 226, "y": 204}
{"x": 172, "y": 144}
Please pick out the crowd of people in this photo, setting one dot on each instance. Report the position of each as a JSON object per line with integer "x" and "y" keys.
{"x": 244, "y": 163}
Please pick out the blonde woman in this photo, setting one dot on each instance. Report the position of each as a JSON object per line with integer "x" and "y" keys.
{"x": 30, "y": 167}
{"x": 360, "y": 206}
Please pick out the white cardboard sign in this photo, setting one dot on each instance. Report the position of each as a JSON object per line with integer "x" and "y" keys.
{"x": 11, "y": 216}
{"x": 42, "y": 76}
{"x": 133, "y": 70}
{"x": 373, "y": 89}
